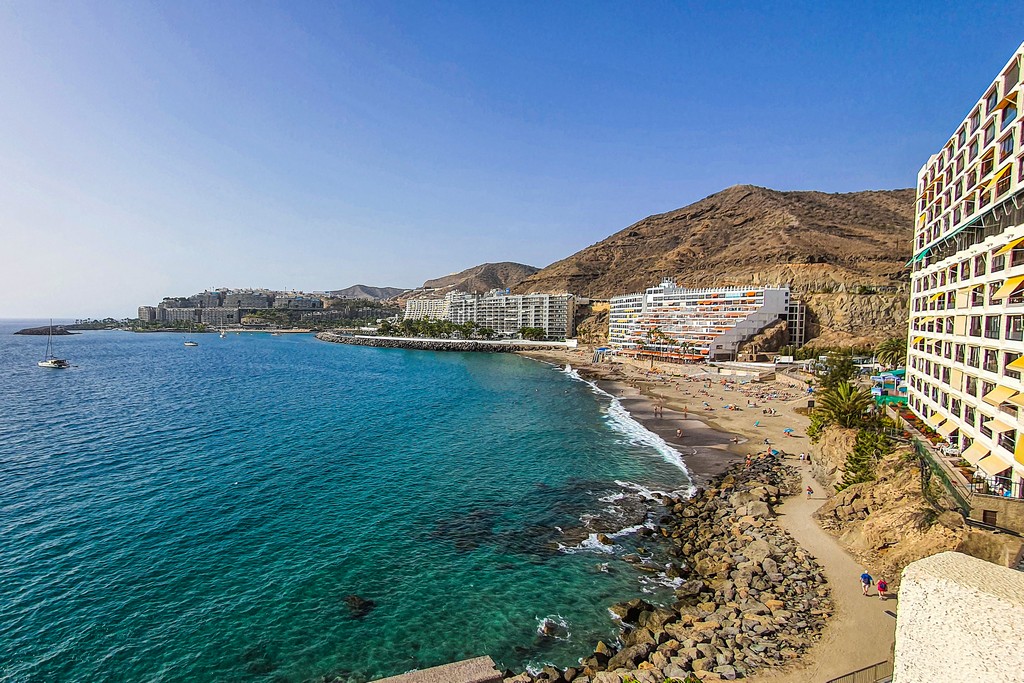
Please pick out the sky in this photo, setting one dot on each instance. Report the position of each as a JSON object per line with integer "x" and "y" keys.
{"x": 160, "y": 149}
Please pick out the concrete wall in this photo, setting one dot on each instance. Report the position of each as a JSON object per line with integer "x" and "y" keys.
{"x": 960, "y": 619}
{"x": 479, "y": 670}
{"x": 1009, "y": 511}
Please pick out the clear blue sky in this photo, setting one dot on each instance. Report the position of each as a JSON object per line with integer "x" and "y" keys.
{"x": 153, "y": 149}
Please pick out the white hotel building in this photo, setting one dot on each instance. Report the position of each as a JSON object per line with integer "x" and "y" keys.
{"x": 697, "y": 324}
{"x": 966, "y": 345}
{"x": 501, "y": 311}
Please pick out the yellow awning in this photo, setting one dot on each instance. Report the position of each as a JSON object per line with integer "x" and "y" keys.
{"x": 935, "y": 296}
{"x": 1009, "y": 247}
{"x": 947, "y": 428}
{"x": 1018, "y": 452}
{"x": 916, "y": 340}
{"x": 1017, "y": 364}
{"x": 993, "y": 464}
{"x": 976, "y": 452}
{"x": 1018, "y": 399}
{"x": 998, "y": 426}
{"x": 936, "y": 419}
{"x": 999, "y": 174}
{"x": 1009, "y": 287}
{"x": 998, "y": 395}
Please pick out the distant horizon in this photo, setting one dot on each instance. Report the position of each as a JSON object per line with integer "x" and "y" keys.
{"x": 157, "y": 148}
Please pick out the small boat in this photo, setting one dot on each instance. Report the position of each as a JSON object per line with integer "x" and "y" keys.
{"x": 50, "y": 360}
{"x": 189, "y": 341}
{"x": 275, "y": 334}
{"x": 223, "y": 334}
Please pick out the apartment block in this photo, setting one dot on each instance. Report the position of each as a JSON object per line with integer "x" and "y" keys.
{"x": 507, "y": 314}
{"x": 966, "y": 344}
{"x": 698, "y": 324}
{"x": 147, "y": 314}
{"x": 430, "y": 308}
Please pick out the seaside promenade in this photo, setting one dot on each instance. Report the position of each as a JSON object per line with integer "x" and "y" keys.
{"x": 861, "y": 631}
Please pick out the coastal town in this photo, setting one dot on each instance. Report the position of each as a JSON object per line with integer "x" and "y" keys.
{"x": 759, "y": 418}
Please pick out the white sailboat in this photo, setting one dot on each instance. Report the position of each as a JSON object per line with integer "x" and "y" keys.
{"x": 189, "y": 341}
{"x": 50, "y": 360}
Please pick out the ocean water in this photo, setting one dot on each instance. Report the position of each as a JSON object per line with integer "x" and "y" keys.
{"x": 205, "y": 514}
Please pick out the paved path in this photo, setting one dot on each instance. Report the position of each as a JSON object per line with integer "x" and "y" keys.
{"x": 861, "y": 632}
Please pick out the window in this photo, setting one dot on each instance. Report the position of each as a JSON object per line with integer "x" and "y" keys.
{"x": 1015, "y": 327}
{"x": 1006, "y": 146}
{"x": 998, "y": 263}
{"x": 975, "y": 122}
{"x": 970, "y": 414}
{"x": 973, "y": 356}
{"x": 1009, "y": 114}
{"x": 1003, "y": 186}
{"x": 990, "y": 133}
{"x": 961, "y": 138}
{"x": 1007, "y": 370}
{"x": 1008, "y": 439}
{"x": 992, "y": 326}
{"x": 991, "y": 99}
{"x": 979, "y": 264}
{"x": 960, "y": 353}
{"x": 1011, "y": 76}
{"x": 965, "y": 270}
{"x": 991, "y": 360}
{"x": 973, "y": 152}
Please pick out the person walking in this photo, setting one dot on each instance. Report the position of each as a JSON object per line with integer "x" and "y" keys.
{"x": 810, "y": 492}
{"x": 883, "y": 586}
{"x": 866, "y": 582}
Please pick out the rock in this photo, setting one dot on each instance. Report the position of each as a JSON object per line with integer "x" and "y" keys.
{"x": 758, "y": 551}
{"x": 359, "y": 607}
{"x": 629, "y": 612}
{"x": 605, "y": 540}
{"x": 726, "y": 671}
{"x": 758, "y": 509}
{"x": 629, "y": 657}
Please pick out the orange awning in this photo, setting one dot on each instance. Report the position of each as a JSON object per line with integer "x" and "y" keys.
{"x": 1009, "y": 287}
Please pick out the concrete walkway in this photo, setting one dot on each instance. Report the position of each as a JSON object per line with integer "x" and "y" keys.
{"x": 860, "y": 633}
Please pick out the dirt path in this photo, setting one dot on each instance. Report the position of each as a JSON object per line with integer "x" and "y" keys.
{"x": 861, "y": 632}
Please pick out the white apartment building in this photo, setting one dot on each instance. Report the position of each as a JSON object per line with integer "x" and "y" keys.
{"x": 966, "y": 344}
{"x": 697, "y": 324}
{"x": 429, "y": 308}
{"x": 507, "y": 313}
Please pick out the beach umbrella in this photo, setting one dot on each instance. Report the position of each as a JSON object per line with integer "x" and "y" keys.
{"x": 787, "y": 430}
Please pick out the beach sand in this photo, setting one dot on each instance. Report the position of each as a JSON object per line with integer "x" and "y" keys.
{"x": 862, "y": 630}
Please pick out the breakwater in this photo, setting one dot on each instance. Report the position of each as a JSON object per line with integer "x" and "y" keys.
{"x": 436, "y": 344}
{"x": 749, "y": 596}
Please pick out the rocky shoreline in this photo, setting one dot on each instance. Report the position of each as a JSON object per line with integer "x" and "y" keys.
{"x": 750, "y": 597}
{"x": 429, "y": 344}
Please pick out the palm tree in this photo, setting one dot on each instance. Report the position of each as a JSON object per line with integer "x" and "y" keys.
{"x": 892, "y": 353}
{"x": 845, "y": 404}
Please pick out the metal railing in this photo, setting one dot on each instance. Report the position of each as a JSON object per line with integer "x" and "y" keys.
{"x": 930, "y": 466}
{"x": 1001, "y": 487}
{"x": 876, "y": 673}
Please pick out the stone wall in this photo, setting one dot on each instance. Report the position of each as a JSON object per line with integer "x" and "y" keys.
{"x": 960, "y": 619}
{"x": 1009, "y": 512}
{"x": 478, "y": 670}
{"x": 436, "y": 344}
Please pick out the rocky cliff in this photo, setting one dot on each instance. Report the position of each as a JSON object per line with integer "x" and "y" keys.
{"x": 844, "y": 254}
{"x": 483, "y": 278}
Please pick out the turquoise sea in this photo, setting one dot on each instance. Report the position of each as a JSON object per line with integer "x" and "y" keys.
{"x": 206, "y": 514}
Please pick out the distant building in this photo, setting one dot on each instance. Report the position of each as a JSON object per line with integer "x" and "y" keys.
{"x": 966, "y": 341}
{"x": 178, "y": 315}
{"x": 507, "y": 314}
{"x": 246, "y": 300}
{"x": 220, "y": 316}
{"x": 205, "y": 300}
{"x": 707, "y": 323}
{"x": 430, "y": 308}
{"x": 298, "y": 302}
{"x": 148, "y": 314}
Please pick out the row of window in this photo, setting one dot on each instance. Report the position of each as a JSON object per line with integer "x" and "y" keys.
{"x": 964, "y": 355}
{"x": 982, "y": 264}
{"x": 1010, "y": 327}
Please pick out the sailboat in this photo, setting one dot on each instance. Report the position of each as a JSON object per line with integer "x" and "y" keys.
{"x": 50, "y": 360}
{"x": 189, "y": 341}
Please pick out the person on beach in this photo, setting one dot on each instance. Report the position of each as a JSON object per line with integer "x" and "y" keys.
{"x": 679, "y": 433}
{"x": 883, "y": 586}
{"x": 866, "y": 582}
{"x": 810, "y": 492}
{"x": 686, "y": 411}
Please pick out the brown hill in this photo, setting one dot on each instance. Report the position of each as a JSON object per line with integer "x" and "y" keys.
{"x": 843, "y": 254}
{"x": 483, "y": 278}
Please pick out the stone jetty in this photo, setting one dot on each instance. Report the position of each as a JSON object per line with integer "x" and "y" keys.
{"x": 751, "y": 597}
{"x": 436, "y": 344}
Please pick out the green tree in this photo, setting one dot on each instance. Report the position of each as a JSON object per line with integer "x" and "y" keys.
{"x": 845, "y": 405}
{"x": 837, "y": 369}
{"x": 533, "y": 333}
{"x": 861, "y": 463}
{"x": 892, "y": 353}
